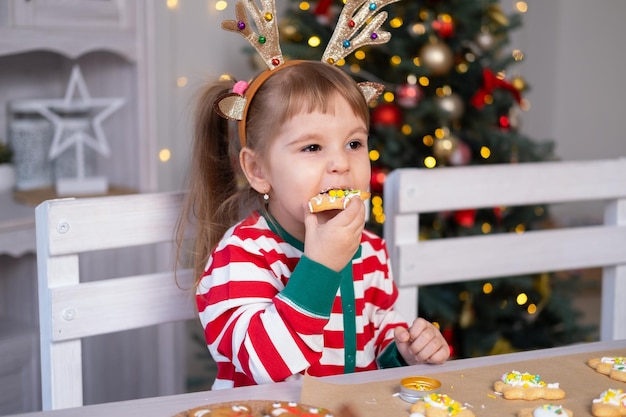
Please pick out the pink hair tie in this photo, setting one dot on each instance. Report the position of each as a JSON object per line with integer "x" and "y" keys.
{"x": 240, "y": 87}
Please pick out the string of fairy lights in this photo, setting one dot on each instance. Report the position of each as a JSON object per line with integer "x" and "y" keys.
{"x": 440, "y": 138}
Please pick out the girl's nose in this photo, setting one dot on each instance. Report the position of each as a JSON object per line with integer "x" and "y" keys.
{"x": 338, "y": 162}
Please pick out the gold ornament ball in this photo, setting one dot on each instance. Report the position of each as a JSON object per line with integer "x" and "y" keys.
{"x": 437, "y": 57}
{"x": 452, "y": 105}
{"x": 444, "y": 147}
{"x": 485, "y": 40}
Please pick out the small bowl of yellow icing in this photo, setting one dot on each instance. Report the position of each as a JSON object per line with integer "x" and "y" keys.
{"x": 415, "y": 387}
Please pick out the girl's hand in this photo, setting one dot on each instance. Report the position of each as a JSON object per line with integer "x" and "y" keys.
{"x": 422, "y": 342}
{"x": 334, "y": 242}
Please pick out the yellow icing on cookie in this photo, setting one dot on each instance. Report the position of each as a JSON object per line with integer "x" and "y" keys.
{"x": 444, "y": 402}
{"x": 525, "y": 380}
{"x": 618, "y": 362}
{"x": 615, "y": 397}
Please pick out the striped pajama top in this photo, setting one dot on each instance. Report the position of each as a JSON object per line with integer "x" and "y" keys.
{"x": 269, "y": 313}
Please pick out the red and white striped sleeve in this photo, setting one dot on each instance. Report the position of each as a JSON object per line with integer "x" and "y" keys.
{"x": 254, "y": 301}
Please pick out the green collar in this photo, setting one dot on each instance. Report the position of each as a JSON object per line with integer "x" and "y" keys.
{"x": 278, "y": 229}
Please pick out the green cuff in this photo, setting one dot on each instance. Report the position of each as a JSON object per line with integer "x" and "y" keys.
{"x": 391, "y": 357}
{"x": 308, "y": 278}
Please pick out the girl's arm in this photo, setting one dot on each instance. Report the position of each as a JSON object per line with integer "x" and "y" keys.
{"x": 268, "y": 331}
{"x": 420, "y": 342}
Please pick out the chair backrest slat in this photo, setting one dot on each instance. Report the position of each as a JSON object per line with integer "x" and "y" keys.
{"x": 104, "y": 306}
{"x": 411, "y": 192}
{"x": 442, "y": 261}
{"x": 453, "y": 188}
{"x": 112, "y": 222}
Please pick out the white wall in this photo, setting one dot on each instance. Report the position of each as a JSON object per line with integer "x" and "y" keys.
{"x": 575, "y": 56}
{"x": 575, "y": 53}
{"x": 190, "y": 44}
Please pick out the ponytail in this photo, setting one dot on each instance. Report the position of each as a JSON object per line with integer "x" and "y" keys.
{"x": 212, "y": 203}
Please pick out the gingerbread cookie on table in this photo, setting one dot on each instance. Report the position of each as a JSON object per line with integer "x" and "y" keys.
{"x": 256, "y": 408}
{"x": 613, "y": 366}
{"x": 439, "y": 405}
{"x": 546, "y": 410}
{"x": 516, "y": 385}
{"x": 611, "y": 403}
{"x": 223, "y": 410}
{"x": 293, "y": 409}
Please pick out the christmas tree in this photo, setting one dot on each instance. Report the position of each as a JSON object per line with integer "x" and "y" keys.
{"x": 452, "y": 99}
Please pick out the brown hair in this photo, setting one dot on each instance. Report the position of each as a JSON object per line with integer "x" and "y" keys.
{"x": 218, "y": 195}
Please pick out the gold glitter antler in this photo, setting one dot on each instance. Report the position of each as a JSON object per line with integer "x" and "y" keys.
{"x": 265, "y": 42}
{"x": 358, "y": 25}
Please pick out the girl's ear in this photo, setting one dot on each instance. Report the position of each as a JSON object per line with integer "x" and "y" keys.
{"x": 253, "y": 170}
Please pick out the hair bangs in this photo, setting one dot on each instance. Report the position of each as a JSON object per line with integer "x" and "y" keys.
{"x": 313, "y": 90}
{"x": 305, "y": 88}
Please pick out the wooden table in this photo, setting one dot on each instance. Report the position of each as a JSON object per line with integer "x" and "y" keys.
{"x": 292, "y": 390}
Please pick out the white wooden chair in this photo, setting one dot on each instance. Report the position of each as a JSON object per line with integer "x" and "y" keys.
{"x": 73, "y": 307}
{"x": 412, "y": 191}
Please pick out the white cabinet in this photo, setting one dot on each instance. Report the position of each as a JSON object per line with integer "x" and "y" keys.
{"x": 111, "y": 41}
{"x": 40, "y": 42}
{"x": 73, "y": 27}
{"x": 70, "y": 14}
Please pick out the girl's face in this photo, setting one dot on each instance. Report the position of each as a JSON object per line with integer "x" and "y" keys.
{"x": 312, "y": 153}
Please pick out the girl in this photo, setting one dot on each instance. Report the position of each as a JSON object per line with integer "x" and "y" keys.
{"x": 286, "y": 291}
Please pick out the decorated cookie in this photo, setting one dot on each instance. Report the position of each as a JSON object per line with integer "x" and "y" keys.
{"x": 335, "y": 199}
{"x": 293, "y": 409}
{"x": 256, "y": 408}
{"x": 516, "y": 385}
{"x": 439, "y": 405}
{"x": 613, "y": 366}
{"x": 611, "y": 403}
{"x": 546, "y": 410}
{"x": 235, "y": 410}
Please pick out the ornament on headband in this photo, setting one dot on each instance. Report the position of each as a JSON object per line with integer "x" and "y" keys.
{"x": 266, "y": 43}
{"x": 359, "y": 24}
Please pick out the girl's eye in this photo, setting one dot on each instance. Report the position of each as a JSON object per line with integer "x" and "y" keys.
{"x": 311, "y": 148}
{"x": 355, "y": 144}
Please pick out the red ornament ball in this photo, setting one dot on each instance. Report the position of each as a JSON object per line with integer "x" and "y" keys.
{"x": 386, "y": 114}
{"x": 322, "y": 7}
{"x": 444, "y": 28}
{"x": 377, "y": 180}
{"x": 408, "y": 95}
{"x": 465, "y": 218}
{"x": 497, "y": 211}
{"x": 504, "y": 122}
{"x": 461, "y": 155}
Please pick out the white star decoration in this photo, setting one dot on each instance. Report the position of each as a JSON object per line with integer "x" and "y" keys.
{"x": 77, "y": 99}
{"x": 83, "y": 102}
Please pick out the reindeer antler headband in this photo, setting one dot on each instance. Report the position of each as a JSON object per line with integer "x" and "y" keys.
{"x": 359, "y": 24}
